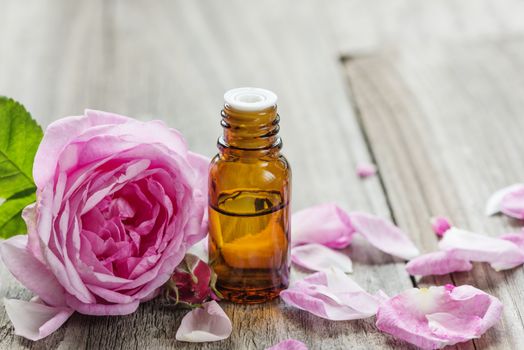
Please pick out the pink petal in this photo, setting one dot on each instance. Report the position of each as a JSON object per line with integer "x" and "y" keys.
{"x": 29, "y": 215}
{"x": 439, "y": 316}
{"x": 33, "y": 320}
{"x": 331, "y": 295}
{"x": 437, "y": 263}
{"x": 447, "y": 325}
{"x": 500, "y": 253}
{"x": 325, "y": 224}
{"x": 316, "y": 257}
{"x": 383, "y": 235}
{"x": 512, "y": 203}
{"x": 289, "y": 344}
{"x": 200, "y": 249}
{"x": 110, "y": 296}
{"x": 440, "y": 225}
{"x": 200, "y": 164}
{"x": 58, "y": 134}
{"x": 516, "y": 238}
{"x": 206, "y": 324}
{"x": 493, "y": 205}
{"x": 101, "y": 309}
{"x": 29, "y": 271}
{"x": 366, "y": 170}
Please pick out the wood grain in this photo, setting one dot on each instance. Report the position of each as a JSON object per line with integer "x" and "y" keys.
{"x": 445, "y": 125}
{"x": 173, "y": 61}
{"x": 364, "y": 27}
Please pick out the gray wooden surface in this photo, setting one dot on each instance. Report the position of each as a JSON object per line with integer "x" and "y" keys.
{"x": 430, "y": 91}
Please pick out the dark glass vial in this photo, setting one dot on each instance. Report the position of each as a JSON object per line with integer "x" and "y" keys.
{"x": 249, "y": 196}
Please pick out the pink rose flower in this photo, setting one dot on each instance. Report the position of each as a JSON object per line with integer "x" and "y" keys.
{"x": 119, "y": 203}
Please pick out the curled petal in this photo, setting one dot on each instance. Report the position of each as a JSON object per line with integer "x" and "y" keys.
{"x": 440, "y": 225}
{"x": 316, "y": 257}
{"x": 437, "y": 263}
{"x": 512, "y": 203}
{"x": 58, "y": 134}
{"x": 29, "y": 215}
{"x": 493, "y": 206}
{"x": 439, "y": 316}
{"x": 331, "y": 295}
{"x": 34, "y": 320}
{"x": 101, "y": 309}
{"x": 206, "y": 324}
{"x": 516, "y": 238}
{"x": 326, "y": 224}
{"x": 29, "y": 271}
{"x": 501, "y": 254}
{"x": 366, "y": 170}
{"x": 289, "y": 344}
{"x": 383, "y": 235}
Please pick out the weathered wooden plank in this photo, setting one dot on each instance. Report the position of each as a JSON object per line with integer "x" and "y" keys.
{"x": 371, "y": 25}
{"x": 173, "y": 60}
{"x": 445, "y": 125}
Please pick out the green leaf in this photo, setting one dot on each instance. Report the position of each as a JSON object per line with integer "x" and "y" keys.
{"x": 11, "y": 222}
{"x": 20, "y": 136}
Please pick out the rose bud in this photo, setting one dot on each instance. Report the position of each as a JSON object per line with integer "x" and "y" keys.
{"x": 192, "y": 283}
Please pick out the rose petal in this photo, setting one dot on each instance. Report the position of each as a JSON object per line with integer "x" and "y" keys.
{"x": 29, "y": 215}
{"x": 33, "y": 320}
{"x": 331, "y": 295}
{"x": 200, "y": 249}
{"x": 58, "y": 134}
{"x": 516, "y": 238}
{"x": 444, "y": 324}
{"x": 366, "y": 170}
{"x": 200, "y": 164}
{"x": 383, "y": 235}
{"x": 500, "y": 253}
{"x": 29, "y": 271}
{"x": 512, "y": 203}
{"x": 440, "y": 225}
{"x": 316, "y": 257}
{"x": 101, "y": 309}
{"x": 206, "y": 324}
{"x": 438, "y": 316}
{"x": 289, "y": 344}
{"x": 325, "y": 224}
{"x": 493, "y": 205}
{"x": 437, "y": 263}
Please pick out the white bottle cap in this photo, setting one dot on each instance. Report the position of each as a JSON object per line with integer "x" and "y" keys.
{"x": 250, "y": 99}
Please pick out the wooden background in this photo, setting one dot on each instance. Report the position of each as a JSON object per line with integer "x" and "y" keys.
{"x": 432, "y": 91}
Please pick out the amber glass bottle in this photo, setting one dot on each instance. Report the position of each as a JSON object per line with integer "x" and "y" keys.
{"x": 249, "y": 195}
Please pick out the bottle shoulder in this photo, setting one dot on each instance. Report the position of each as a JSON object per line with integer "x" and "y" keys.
{"x": 239, "y": 169}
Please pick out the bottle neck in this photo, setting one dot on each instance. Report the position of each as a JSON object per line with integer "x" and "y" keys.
{"x": 255, "y": 131}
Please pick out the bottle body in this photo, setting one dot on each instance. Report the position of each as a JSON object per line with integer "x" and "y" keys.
{"x": 249, "y": 209}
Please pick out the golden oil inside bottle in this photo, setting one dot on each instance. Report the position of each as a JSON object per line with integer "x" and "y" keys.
{"x": 249, "y": 193}
{"x": 250, "y": 244}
